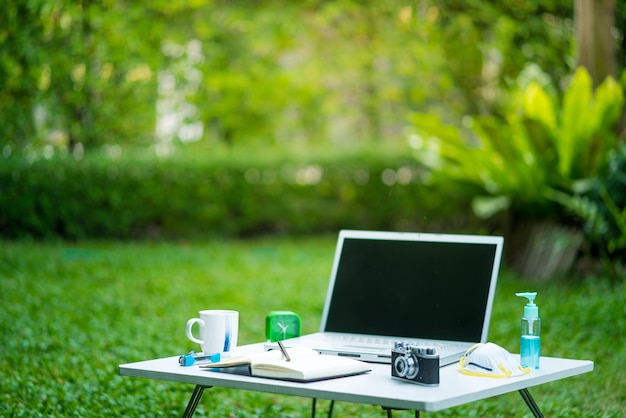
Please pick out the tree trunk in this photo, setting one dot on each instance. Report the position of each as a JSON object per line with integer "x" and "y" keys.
{"x": 596, "y": 51}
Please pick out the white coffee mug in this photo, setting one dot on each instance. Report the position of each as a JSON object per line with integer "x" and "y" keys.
{"x": 218, "y": 330}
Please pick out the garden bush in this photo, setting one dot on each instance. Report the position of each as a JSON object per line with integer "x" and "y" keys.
{"x": 535, "y": 167}
{"x": 237, "y": 194}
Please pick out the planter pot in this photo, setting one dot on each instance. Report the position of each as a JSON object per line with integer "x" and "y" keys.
{"x": 545, "y": 249}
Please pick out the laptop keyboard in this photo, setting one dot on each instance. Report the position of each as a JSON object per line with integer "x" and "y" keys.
{"x": 387, "y": 342}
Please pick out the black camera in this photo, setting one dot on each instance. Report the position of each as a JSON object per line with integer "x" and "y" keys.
{"x": 416, "y": 364}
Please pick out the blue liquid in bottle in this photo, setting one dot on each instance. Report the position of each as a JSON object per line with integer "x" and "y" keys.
{"x": 530, "y": 351}
{"x": 530, "y": 342}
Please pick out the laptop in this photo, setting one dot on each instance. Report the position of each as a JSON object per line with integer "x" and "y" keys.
{"x": 433, "y": 290}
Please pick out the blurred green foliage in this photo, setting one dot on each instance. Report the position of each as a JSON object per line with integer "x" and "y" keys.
{"x": 609, "y": 193}
{"x": 80, "y": 78}
{"x": 603, "y": 210}
{"x": 72, "y": 69}
{"x": 236, "y": 194}
{"x": 540, "y": 160}
{"x": 82, "y": 74}
{"x": 544, "y": 144}
{"x": 486, "y": 45}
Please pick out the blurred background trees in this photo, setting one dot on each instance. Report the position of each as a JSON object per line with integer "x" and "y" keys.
{"x": 167, "y": 77}
{"x": 275, "y": 71}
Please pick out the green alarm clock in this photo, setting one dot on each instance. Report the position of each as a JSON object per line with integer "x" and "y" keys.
{"x": 281, "y": 325}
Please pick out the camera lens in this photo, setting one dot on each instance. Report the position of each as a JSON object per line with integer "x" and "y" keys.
{"x": 406, "y": 366}
{"x": 400, "y": 366}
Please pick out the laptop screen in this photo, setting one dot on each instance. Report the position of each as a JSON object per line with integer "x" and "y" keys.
{"x": 413, "y": 285}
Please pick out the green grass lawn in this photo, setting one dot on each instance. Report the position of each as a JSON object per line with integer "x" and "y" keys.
{"x": 71, "y": 313}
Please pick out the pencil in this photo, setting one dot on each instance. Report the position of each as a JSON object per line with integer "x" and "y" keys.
{"x": 282, "y": 349}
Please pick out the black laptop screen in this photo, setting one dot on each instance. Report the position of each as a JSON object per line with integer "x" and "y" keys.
{"x": 434, "y": 290}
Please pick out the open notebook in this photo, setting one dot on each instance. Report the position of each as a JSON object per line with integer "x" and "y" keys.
{"x": 429, "y": 289}
{"x": 304, "y": 365}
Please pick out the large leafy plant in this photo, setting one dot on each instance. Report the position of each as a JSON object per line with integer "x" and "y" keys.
{"x": 604, "y": 212}
{"x": 526, "y": 161}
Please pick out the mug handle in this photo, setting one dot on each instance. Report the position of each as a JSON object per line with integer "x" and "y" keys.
{"x": 188, "y": 329}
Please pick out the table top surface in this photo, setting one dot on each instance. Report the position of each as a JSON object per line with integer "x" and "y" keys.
{"x": 375, "y": 388}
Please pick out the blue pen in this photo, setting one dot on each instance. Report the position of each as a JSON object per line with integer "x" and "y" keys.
{"x": 193, "y": 358}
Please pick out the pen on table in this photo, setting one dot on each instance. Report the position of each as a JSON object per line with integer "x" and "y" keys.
{"x": 193, "y": 358}
{"x": 283, "y": 350}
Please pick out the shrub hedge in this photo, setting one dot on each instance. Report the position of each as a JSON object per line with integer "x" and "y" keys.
{"x": 233, "y": 195}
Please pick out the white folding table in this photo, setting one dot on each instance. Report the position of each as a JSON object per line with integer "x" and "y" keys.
{"x": 375, "y": 388}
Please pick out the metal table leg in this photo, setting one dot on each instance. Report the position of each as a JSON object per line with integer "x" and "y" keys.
{"x": 195, "y": 399}
{"x": 330, "y": 408}
{"x": 531, "y": 403}
{"x": 390, "y": 411}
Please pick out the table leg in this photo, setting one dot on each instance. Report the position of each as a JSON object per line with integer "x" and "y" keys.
{"x": 390, "y": 412}
{"x": 531, "y": 403}
{"x": 195, "y": 399}
{"x": 330, "y": 408}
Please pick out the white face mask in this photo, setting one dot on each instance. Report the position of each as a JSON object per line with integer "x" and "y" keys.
{"x": 490, "y": 360}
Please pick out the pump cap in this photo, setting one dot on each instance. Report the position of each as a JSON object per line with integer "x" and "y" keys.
{"x": 530, "y": 310}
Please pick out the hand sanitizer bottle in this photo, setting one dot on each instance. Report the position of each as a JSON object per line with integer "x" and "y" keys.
{"x": 530, "y": 341}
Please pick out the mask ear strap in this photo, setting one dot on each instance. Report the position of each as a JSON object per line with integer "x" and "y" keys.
{"x": 469, "y": 351}
{"x": 465, "y": 357}
{"x": 506, "y": 372}
{"x": 479, "y": 374}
